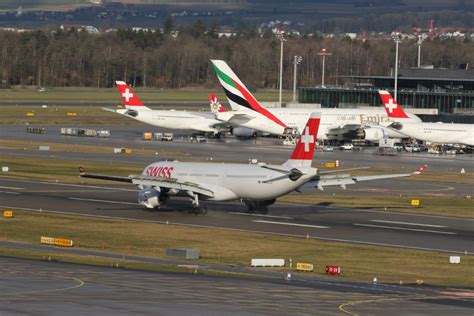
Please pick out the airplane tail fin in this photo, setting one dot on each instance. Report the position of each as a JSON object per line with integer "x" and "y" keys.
{"x": 215, "y": 105}
{"x": 394, "y": 111}
{"x": 238, "y": 95}
{"x": 303, "y": 153}
{"x": 129, "y": 98}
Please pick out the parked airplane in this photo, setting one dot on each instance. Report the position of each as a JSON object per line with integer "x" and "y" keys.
{"x": 438, "y": 133}
{"x": 189, "y": 120}
{"x": 217, "y": 107}
{"x": 368, "y": 124}
{"x": 257, "y": 185}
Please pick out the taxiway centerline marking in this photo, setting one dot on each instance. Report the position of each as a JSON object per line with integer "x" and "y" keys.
{"x": 103, "y": 201}
{"x": 11, "y": 188}
{"x": 406, "y": 223}
{"x": 70, "y": 184}
{"x": 288, "y": 224}
{"x": 408, "y": 229}
{"x": 260, "y": 215}
{"x": 8, "y": 192}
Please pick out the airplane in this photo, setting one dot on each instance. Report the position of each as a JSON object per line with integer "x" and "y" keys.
{"x": 339, "y": 124}
{"x": 257, "y": 185}
{"x": 438, "y": 133}
{"x": 217, "y": 107}
{"x": 188, "y": 120}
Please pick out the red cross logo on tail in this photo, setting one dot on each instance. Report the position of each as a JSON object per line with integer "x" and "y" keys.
{"x": 129, "y": 98}
{"x": 391, "y": 106}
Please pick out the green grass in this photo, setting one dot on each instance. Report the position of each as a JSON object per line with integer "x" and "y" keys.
{"x": 359, "y": 262}
{"x": 111, "y": 95}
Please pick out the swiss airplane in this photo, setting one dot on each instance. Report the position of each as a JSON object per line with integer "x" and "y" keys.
{"x": 439, "y": 133}
{"x": 189, "y": 120}
{"x": 257, "y": 185}
{"x": 368, "y": 124}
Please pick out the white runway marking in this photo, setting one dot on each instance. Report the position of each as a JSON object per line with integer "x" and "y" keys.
{"x": 406, "y": 223}
{"x": 103, "y": 201}
{"x": 11, "y": 188}
{"x": 409, "y": 229}
{"x": 8, "y": 192}
{"x": 288, "y": 224}
{"x": 260, "y": 215}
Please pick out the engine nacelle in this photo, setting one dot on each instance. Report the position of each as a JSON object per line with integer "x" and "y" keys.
{"x": 373, "y": 134}
{"x": 151, "y": 198}
{"x": 243, "y": 132}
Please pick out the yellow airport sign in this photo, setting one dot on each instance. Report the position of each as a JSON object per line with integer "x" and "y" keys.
{"x": 126, "y": 150}
{"x": 30, "y": 114}
{"x": 415, "y": 202}
{"x": 71, "y": 114}
{"x": 8, "y": 214}
{"x": 47, "y": 240}
{"x": 119, "y": 106}
{"x": 330, "y": 164}
{"x": 304, "y": 267}
{"x": 63, "y": 242}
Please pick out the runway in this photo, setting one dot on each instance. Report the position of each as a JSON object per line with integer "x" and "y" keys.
{"x": 58, "y": 288}
{"x": 363, "y": 226}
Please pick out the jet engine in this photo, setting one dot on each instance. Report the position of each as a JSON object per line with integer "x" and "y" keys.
{"x": 373, "y": 134}
{"x": 151, "y": 198}
{"x": 243, "y": 132}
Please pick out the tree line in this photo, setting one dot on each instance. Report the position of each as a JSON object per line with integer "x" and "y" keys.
{"x": 66, "y": 58}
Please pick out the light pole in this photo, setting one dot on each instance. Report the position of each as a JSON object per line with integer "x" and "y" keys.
{"x": 397, "y": 40}
{"x": 418, "y": 43}
{"x": 324, "y": 52}
{"x": 296, "y": 62}
{"x": 281, "y": 38}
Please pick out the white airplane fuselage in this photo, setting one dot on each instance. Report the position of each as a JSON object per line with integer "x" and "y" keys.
{"x": 440, "y": 133}
{"x": 330, "y": 118}
{"x": 231, "y": 181}
{"x": 187, "y": 120}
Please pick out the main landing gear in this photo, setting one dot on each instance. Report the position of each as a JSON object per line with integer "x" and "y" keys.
{"x": 258, "y": 206}
{"x": 196, "y": 208}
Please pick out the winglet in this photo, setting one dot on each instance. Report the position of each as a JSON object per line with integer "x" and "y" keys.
{"x": 419, "y": 171}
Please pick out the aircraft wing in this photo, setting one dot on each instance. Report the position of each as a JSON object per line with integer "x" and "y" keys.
{"x": 322, "y": 181}
{"x": 168, "y": 183}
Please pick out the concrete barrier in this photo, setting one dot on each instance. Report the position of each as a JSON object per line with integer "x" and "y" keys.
{"x": 267, "y": 263}
{"x": 183, "y": 253}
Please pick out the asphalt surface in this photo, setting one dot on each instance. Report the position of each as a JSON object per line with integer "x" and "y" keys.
{"x": 52, "y": 288}
{"x": 226, "y": 149}
{"x": 364, "y": 226}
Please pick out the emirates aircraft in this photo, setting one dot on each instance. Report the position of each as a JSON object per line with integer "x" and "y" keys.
{"x": 257, "y": 185}
{"x": 368, "y": 124}
{"x": 439, "y": 133}
{"x": 188, "y": 120}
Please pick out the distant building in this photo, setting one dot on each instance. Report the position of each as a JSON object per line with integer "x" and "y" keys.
{"x": 447, "y": 91}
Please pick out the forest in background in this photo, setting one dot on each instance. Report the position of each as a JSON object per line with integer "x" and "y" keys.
{"x": 157, "y": 59}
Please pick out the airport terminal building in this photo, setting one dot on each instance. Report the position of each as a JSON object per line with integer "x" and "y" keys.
{"x": 443, "y": 91}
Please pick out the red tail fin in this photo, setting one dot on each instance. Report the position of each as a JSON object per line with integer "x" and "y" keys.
{"x": 215, "y": 105}
{"x": 128, "y": 97}
{"x": 391, "y": 106}
{"x": 304, "y": 150}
